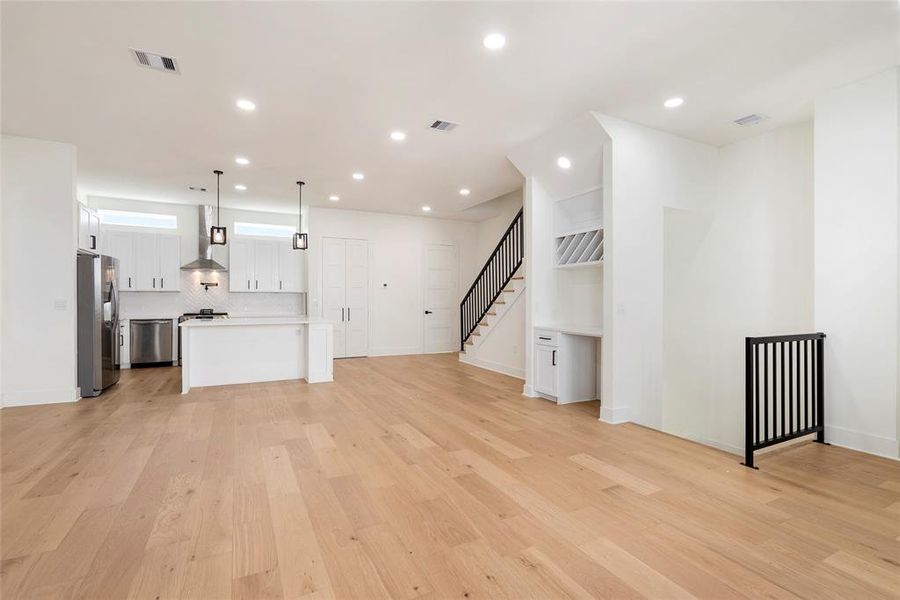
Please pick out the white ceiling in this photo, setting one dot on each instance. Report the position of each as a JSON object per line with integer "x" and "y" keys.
{"x": 331, "y": 80}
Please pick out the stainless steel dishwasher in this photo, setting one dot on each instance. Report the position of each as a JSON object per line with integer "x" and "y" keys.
{"x": 151, "y": 341}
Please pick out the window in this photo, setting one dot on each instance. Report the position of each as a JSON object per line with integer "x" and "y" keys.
{"x": 264, "y": 229}
{"x": 137, "y": 219}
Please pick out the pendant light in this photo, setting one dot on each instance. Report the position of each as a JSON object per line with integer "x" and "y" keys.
{"x": 217, "y": 235}
{"x": 301, "y": 241}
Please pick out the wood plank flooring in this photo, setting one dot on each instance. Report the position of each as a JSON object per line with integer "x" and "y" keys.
{"x": 419, "y": 477}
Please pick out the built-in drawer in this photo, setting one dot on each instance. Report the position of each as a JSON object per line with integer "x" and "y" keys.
{"x": 545, "y": 337}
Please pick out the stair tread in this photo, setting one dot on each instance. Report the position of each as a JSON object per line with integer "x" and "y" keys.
{"x": 474, "y": 333}
{"x": 519, "y": 277}
{"x": 499, "y": 301}
{"x": 470, "y": 343}
{"x": 507, "y": 291}
{"x": 483, "y": 324}
{"x": 490, "y": 314}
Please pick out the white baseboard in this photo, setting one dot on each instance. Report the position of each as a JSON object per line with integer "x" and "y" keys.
{"x": 527, "y": 390}
{"x": 37, "y": 397}
{"x": 738, "y": 450}
{"x": 614, "y": 415}
{"x": 492, "y": 366}
{"x": 864, "y": 442}
{"x": 396, "y": 351}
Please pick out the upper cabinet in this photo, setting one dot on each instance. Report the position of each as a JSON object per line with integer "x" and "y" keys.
{"x": 265, "y": 265}
{"x": 148, "y": 262}
{"x": 120, "y": 244}
{"x": 88, "y": 230}
{"x": 291, "y": 268}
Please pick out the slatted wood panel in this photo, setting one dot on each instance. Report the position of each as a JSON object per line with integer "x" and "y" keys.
{"x": 419, "y": 477}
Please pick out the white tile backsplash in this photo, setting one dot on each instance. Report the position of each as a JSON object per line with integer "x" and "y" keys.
{"x": 193, "y": 297}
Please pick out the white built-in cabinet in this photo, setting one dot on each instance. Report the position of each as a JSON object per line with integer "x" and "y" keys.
{"x": 88, "y": 230}
{"x": 265, "y": 265}
{"x": 148, "y": 262}
{"x": 345, "y": 287}
{"x": 565, "y": 365}
{"x": 546, "y": 377}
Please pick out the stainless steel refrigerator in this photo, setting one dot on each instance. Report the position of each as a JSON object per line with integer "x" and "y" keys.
{"x": 99, "y": 343}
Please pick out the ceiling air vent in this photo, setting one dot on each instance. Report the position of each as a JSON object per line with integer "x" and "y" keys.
{"x": 156, "y": 61}
{"x": 750, "y": 120}
{"x": 443, "y": 126}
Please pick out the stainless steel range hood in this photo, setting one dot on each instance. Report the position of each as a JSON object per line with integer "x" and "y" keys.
{"x": 205, "y": 262}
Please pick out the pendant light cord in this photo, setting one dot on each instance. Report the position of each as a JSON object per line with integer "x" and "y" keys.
{"x": 218, "y": 204}
{"x": 300, "y": 185}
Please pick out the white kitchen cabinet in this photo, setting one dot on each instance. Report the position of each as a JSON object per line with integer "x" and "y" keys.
{"x": 240, "y": 265}
{"x": 265, "y": 265}
{"x": 120, "y": 245}
{"x": 546, "y": 373}
{"x": 345, "y": 283}
{"x": 565, "y": 364}
{"x": 148, "y": 262}
{"x": 124, "y": 341}
{"x": 169, "y": 267}
{"x": 291, "y": 269}
{"x": 88, "y": 230}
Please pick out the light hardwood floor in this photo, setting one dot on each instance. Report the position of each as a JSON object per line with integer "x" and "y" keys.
{"x": 419, "y": 477}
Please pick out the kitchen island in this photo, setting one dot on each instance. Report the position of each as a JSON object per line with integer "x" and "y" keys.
{"x": 248, "y": 350}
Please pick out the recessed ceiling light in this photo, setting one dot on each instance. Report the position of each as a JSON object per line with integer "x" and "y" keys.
{"x": 426, "y": 209}
{"x": 398, "y": 136}
{"x": 240, "y": 187}
{"x": 245, "y": 104}
{"x": 358, "y": 176}
{"x": 563, "y": 162}
{"x": 464, "y": 192}
{"x": 673, "y": 102}
{"x": 241, "y": 160}
{"x": 334, "y": 198}
{"x": 494, "y": 41}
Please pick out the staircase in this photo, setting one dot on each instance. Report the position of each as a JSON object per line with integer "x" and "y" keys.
{"x": 497, "y": 285}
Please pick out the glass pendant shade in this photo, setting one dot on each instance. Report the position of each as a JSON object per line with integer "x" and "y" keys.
{"x": 217, "y": 236}
{"x": 301, "y": 241}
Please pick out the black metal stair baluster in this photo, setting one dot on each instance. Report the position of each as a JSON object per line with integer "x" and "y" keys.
{"x": 766, "y": 392}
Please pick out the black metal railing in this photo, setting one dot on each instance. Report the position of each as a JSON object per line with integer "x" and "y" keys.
{"x": 493, "y": 278}
{"x": 785, "y": 390}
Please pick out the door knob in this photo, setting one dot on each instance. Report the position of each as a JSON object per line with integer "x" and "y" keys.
{"x": 427, "y": 312}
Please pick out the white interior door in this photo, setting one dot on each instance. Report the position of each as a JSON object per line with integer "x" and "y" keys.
{"x": 440, "y": 318}
{"x": 357, "y": 298}
{"x": 334, "y": 290}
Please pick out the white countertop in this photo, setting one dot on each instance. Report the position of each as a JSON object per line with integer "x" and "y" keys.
{"x": 239, "y": 321}
{"x": 589, "y": 331}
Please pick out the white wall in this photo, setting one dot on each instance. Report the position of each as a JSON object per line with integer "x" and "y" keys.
{"x": 704, "y": 246}
{"x": 192, "y": 296}
{"x": 503, "y": 348}
{"x": 38, "y": 271}
{"x": 490, "y": 230}
{"x": 739, "y": 266}
{"x": 856, "y": 270}
{"x": 396, "y": 244}
{"x": 650, "y": 170}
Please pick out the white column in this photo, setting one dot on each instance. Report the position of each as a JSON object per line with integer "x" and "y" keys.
{"x": 856, "y": 261}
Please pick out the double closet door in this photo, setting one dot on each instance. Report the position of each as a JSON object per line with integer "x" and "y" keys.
{"x": 345, "y": 291}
